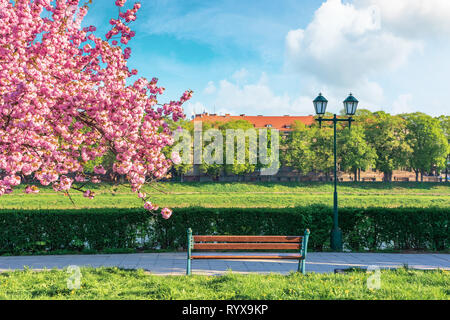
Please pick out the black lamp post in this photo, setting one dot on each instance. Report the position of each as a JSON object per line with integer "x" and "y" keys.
{"x": 350, "y": 105}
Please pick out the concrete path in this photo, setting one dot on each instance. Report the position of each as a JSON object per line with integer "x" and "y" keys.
{"x": 175, "y": 263}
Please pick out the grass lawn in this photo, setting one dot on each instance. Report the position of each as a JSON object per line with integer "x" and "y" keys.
{"x": 242, "y": 195}
{"x": 113, "y": 283}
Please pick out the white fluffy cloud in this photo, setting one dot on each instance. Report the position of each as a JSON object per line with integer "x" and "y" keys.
{"x": 262, "y": 97}
{"x": 255, "y": 99}
{"x": 413, "y": 18}
{"x": 344, "y": 44}
{"x": 403, "y": 104}
{"x": 354, "y": 45}
{"x": 210, "y": 88}
{"x": 241, "y": 75}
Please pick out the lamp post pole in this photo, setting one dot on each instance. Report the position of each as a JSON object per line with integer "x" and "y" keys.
{"x": 350, "y": 104}
{"x": 336, "y": 233}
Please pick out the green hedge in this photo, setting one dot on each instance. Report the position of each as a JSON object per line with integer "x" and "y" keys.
{"x": 29, "y": 231}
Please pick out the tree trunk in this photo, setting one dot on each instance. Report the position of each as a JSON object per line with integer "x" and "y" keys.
{"x": 417, "y": 175}
{"x": 421, "y": 176}
{"x": 356, "y": 175}
{"x": 387, "y": 176}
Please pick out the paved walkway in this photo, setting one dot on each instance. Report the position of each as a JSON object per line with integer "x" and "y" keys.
{"x": 175, "y": 263}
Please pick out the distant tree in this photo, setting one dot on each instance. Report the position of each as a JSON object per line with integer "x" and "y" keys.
{"x": 428, "y": 142}
{"x": 297, "y": 149}
{"x": 106, "y": 161}
{"x": 185, "y": 164}
{"x": 214, "y": 169}
{"x": 445, "y": 125}
{"x": 387, "y": 135}
{"x": 311, "y": 149}
{"x": 240, "y": 167}
{"x": 444, "y": 122}
{"x": 364, "y": 117}
{"x": 321, "y": 146}
{"x": 355, "y": 153}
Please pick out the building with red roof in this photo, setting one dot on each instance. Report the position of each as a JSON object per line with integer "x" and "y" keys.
{"x": 282, "y": 123}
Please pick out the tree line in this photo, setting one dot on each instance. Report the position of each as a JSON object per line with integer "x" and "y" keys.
{"x": 377, "y": 140}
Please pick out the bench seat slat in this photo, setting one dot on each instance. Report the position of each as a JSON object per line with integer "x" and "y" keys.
{"x": 228, "y": 257}
{"x": 294, "y": 239}
{"x": 246, "y": 246}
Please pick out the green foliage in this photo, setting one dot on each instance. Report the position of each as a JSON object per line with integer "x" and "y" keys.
{"x": 387, "y": 134}
{"x": 240, "y": 126}
{"x": 185, "y": 166}
{"x": 243, "y": 142}
{"x": 396, "y": 228}
{"x": 106, "y": 161}
{"x": 310, "y": 149}
{"x": 214, "y": 148}
{"x": 377, "y": 140}
{"x": 444, "y": 122}
{"x": 298, "y": 153}
{"x": 322, "y": 149}
{"x": 31, "y": 231}
{"x": 52, "y": 230}
{"x": 428, "y": 142}
{"x": 354, "y": 151}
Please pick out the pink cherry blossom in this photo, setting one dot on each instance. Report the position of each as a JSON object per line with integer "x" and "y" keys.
{"x": 175, "y": 157}
{"x": 31, "y": 189}
{"x": 80, "y": 178}
{"x": 89, "y": 194}
{"x": 99, "y": 170}
{"x": 142, "y": 195}
{"x": 150, "y": 207}
{"x": 66, "y": 99}
{"x": 166, "y": 213}
{"x": 95, "y": 179}
{"x": 120, "y": 3}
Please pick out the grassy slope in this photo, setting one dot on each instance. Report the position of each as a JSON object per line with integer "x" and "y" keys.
{"x": 243, "y": 195}
{"x": 113, "y": 283}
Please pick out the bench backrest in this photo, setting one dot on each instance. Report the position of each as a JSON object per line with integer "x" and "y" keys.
{"x": 247, "y": 242}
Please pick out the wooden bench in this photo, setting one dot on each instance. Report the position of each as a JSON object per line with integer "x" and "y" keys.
{"x": 227, "y": 243}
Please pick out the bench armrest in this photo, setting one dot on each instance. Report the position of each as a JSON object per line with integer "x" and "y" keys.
{"x": 304, "y": 252}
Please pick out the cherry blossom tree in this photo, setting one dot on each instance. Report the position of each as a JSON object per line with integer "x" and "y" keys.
{"x": 65, "y": 100}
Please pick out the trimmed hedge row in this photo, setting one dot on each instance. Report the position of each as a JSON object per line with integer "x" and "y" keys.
{"x": 28, "y": 231}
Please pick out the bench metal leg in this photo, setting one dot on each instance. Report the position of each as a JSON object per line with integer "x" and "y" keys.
{"x": 189, "y": 248}
{"x": 302, "y": 266}
{"x": 188, "y": 268}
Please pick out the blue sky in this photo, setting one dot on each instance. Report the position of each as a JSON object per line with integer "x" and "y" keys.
{"x": 274, "y": 57}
